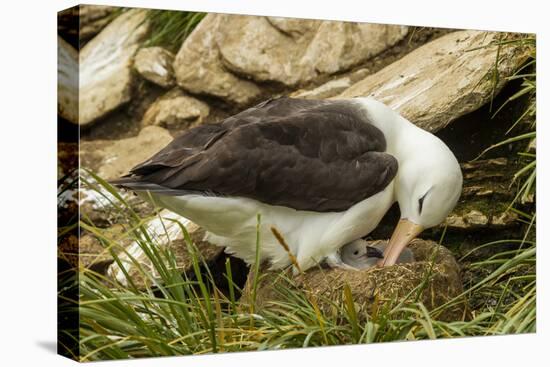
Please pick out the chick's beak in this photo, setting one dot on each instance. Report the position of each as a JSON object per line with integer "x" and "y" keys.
{"x": 404, "y": 233}
{"x": 374, "y": 252}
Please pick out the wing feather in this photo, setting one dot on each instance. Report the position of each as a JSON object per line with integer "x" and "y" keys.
{"x": 308, "y": 155}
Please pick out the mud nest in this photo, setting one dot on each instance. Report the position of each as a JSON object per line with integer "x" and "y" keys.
{"x": 433, "y": 279}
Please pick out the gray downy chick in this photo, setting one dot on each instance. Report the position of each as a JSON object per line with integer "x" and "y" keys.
{"x": 359, "y": 255}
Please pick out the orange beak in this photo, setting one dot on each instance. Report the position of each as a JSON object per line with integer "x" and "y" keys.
{"x": 403, "y": 234}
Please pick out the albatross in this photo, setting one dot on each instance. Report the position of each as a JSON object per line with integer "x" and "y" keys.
{"x": 322, "y": 172}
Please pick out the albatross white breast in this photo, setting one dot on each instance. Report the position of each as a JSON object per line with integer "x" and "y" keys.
{"x": 323, "y": 173}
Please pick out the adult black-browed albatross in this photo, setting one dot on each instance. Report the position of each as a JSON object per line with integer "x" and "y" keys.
{"x": 323, "y": 172}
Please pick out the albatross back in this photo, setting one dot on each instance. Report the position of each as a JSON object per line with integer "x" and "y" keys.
{"x": 319, "y": 156}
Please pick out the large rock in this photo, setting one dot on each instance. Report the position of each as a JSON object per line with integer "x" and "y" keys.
{"x": 434, "y": 278}
{"x": 199, "y": 70}
{"x": 93, "y": 18}
{"x": 111, "y": 159}
{"x": 292, "y": 51}
{"x": 444, "y": 79}
{"x": 176, "y": 110}
{"x": 226, "y": 51}
{"x": 67, "y": 81}
{"x": 155, "y": 65}
{"x": 105, "y": 66}
{"x": 332, "y": 87}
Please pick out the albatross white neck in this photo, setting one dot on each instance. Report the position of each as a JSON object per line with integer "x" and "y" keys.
{"x": 426, "y": 164}
{"x": 403, "y": 138}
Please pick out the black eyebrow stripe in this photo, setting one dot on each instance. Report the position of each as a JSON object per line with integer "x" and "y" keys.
{"x": 421, "y": 200}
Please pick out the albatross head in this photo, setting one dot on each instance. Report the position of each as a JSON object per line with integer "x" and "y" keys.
{"x": 360, "y": 255}
{"x": 427, "y": 188}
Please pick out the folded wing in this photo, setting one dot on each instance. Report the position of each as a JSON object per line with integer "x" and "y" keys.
{"x": 307, "y": 155}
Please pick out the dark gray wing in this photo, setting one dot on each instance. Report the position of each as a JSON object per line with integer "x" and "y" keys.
{"x": 197, "y": 139}
{"x": 307, "y": 155}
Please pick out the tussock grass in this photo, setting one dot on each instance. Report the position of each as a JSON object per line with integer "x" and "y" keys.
{"x": 183, "y": 314}
{"x": 169, "y": 28}
{"x": 525, "y": 125}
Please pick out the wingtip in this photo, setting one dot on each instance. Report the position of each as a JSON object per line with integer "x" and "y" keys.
{"x": 121, "y": 181}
